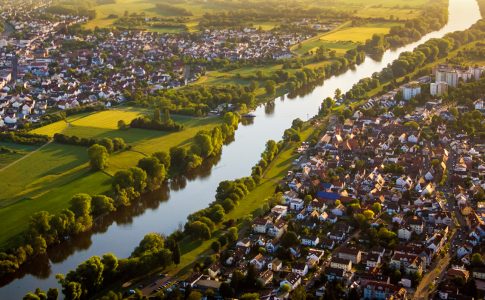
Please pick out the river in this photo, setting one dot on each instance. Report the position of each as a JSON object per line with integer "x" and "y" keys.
{"x": 167, "y": 209}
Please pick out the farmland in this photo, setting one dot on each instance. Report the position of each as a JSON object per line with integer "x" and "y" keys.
{"x": 50, "y": 175}
{"x": 344, "y": 37}
{"x": 107, "y": 14}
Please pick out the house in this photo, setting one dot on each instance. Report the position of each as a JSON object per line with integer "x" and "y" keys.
{"x": 260, "y": 225}
{"x": 338, "y": 210}
{"x": 479, "y": 273}
{"x": 340, "y": 263}
{"x": 411, "y": 263}
{"x": 311, "y": 241}
{"x": 258, "y": 261}
{"x": 327, "y": 243}
{"x": 404, "y": 233}
{"x": 296, "y": 204}
{"x": 455, "y": 272}
{"x": 265, "y": 277}
{"x": 214, "y": 270}
{"x": 314, "y": 257}
{"x": 373, "y": 260}
{"x": 300, "y": 269}
{"x": 354, "y": 255}
{"x": 333, "y": 274}
{"x": 280, "y": 210}
{"x": 277, "y": 229}
{"x": 244, "y": 245}
{"x": 293, "y": 280}
{"x": 416, "y": 224}
{"x": 381, "y": 290}
{"x": 275, "y": 265}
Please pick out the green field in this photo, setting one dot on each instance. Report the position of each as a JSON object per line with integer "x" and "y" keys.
{"x": 386, "y": 9}
{"x": 344, "y": 37}
{"x": 50, "y": 175}
{"x": 355, "y": 34}
{"x": 402, "y": 10}
{"x": 18, "y": 150}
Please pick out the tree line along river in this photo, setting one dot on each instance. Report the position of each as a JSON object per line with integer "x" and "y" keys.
{"x": 165, "y": 210}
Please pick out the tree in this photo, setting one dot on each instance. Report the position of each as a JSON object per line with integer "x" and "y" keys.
{"x": 164, "y": 158}
{"x": 89, "y": 274}
{"x": 31, "y": 296}
{"x": 204, "y": 141}
{"x": 477, "y": 260}
{"x": 52, "y": 294}
{"x": 226, "y": 290}
{"x": 200, "y": 230}
{"x": 157, "y": 116}
{"x": 299, "y": 293}
{"x": 232, "y": 234}
{"x": 154, "y": 169}
{"x": 178, "y": 157}
{"x": 122, "y": 125}
{"x": 285, "y": 288}
{"x": 176, "y": 254}
{"x": 377, "y": 207}
{"x": 338, "y": 94}
{"x": 250, "y": 296}
{"x": 80, "y": 205}
{"x": 73, "y": 291}
{"x": 270, "y": 87}
{"x": 216, "y": 246}
{"x": 108, "y": 144}
{"x": 151, "y": 243}
{"x": 297, "y": 124}
{"x": 369, "y": 214}
{"x": 98, "y": 157}
{"x": 290, "y": 239}
{"x": 110, "y": 263}
{"x": 194, "y": 295}
{"x": 139, "y": 179}
{"x": 102, "y": 204}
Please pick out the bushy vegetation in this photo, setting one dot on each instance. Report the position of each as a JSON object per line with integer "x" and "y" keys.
{"x": 24, "y": 138}
{"x": 409, "y": 62}
{"x": 434, "y": 16}
{"x": 112, "y": 145}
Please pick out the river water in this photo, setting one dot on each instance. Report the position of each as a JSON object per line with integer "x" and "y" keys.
{"x": 165, "y": 210}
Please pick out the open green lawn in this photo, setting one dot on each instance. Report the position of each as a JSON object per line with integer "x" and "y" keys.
{"x": 50, "y": 176}
{"x": 18, "y": 150}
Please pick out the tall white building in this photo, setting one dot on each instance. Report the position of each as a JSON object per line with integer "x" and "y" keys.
{"x": 411, "y": 90}
{"x": 438, "y": 88}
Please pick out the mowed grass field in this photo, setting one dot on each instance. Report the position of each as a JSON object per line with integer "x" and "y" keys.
{"x": 51, "y": 175}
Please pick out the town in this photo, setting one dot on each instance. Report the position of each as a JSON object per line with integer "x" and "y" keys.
{"x": 380, "y": 207}
{"x": 44, "y": 67}
{"x": 233, "y": 149}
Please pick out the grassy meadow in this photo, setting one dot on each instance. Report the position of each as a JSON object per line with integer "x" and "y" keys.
{"x": 48, "y": 177}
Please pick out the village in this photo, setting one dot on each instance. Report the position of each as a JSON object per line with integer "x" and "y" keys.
{"x": 45, "y": 68}
{"x": 377, "y": 209}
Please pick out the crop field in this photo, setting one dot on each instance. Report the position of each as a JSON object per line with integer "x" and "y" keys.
{"x": 343, "y": 37}
{"x": 51, "y": 175}
{"x": 355, "y": 34}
